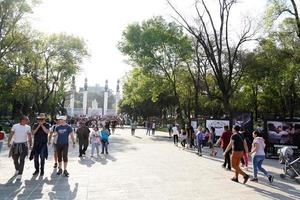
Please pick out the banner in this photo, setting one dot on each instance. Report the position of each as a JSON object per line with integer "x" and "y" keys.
{"x": 283, "y": 132}
{"x": 217, "y": 124}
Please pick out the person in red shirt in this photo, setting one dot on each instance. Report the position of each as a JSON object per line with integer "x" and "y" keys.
{"x": 225, "y": 140}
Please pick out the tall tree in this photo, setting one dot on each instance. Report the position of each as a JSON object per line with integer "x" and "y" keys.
{"x": 158, "y": 47}
{"x": 222, "y": 51}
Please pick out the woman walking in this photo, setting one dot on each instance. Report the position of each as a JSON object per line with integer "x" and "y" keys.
{"x": 258, "y": 154}
{"x": 211, "y": 141}
{"x": 95, "y": 141}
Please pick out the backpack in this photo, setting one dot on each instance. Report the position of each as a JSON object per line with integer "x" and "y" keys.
{"x": 2, "y": 135}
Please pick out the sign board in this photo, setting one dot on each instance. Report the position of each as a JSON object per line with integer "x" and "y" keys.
{"x": 217, "y": 124}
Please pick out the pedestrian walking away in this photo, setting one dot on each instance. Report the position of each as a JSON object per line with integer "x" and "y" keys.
{"x": 258, "y": 156}
{"x": 199, "y": 138}
{"x": 95, "y": 141}
{"x": 224, "y": 140}
{"x": 104, "y": 135}
{"x": 21, "y": 135}
{"x": 175, "y": 133}
{"x": 83, "y": 135}
{"x": 39, "y": 152}
{"x": 63, "y": 131}
{"x": 238, "y": 145}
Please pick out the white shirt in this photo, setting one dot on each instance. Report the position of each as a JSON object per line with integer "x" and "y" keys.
{"x": 260, "y": 146}
{"x": 175, "y": 130}
{"x": 20, "y": 133}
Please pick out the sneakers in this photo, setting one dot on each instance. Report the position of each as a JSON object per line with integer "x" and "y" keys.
{"x": 35, "y": 173}
{"x": 246, "y": 177}
{"x": 19, "y": 177}
{"x": 271, "y": 178}
{"x": 42, "y": 173}
{"x": 55, "y": 165}
{"x": 254, "y": 180}
{"x": 59, "y": 172}
{"x": 66, "y": 173}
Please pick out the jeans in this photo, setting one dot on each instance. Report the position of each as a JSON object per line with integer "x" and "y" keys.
{"x": 175, "y": 137}
{"x": 1, "y": 145}
{"x": 19, "y": 159}
{"x": 235, "y": 162}
{"x": 95, "y": 146}
{"x": 199, "y": 146}
{"x": 40, "y": 153}
{"x": 227, "y": 160}
{"x": 104, "y": 144}
{"x": 82, "y": 147}
{"x": 257, "y": 164}
{"x": 183, "y": 142}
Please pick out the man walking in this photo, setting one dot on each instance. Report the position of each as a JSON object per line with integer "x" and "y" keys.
{"x": 63, "y": 131}
{"x": 225, "y": 140}
{"x": 238, "y": 145}
{"x": 40, "y": 132}
{"x": 21, "y": 134}
{"x": 83, "y": 135}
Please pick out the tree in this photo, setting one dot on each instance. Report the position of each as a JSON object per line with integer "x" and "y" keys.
{"x": 222, "y": 52}
{"x": 159, "y": 48}
{"x": 280, "y": 7}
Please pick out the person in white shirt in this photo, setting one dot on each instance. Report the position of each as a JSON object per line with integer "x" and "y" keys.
{"x": 153, "y": 128}
{"x": 175, "y": 133}
{"x": 258, "y": 156}
{"x": 21, "y": 135}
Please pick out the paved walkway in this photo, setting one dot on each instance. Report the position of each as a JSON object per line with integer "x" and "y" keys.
{"x": 141, "y": 167}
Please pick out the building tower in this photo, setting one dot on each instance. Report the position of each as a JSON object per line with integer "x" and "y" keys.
{"x": 72, "y": 97}
{"x": 117, "y": 96}
{"x": 84, "y": 102}
{"x": 105, "y": 98}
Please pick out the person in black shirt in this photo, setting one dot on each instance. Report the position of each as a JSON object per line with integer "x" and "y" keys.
{"x": 238, "y": 145}
{"x": 40, "y": 149}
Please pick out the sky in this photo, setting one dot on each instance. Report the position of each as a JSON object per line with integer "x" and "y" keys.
{"x": 101, "y": 23}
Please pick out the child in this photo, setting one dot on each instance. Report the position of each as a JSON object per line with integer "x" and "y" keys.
{"x": 95, "y": 141}
{"x": 104, "y": 134}
{"x": 199, "y": 137}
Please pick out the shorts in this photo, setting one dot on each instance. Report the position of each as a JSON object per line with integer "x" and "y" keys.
{"x": 62, "y": 152}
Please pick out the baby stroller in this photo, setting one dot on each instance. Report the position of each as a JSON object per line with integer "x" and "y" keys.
{"x": 291, "y": 165}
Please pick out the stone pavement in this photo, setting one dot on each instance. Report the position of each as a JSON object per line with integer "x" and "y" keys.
{"x": 142, "y": 167}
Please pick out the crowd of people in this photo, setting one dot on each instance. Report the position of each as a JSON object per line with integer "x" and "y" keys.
{"x": 34, "y": 141}
{"x": 235, "y": 146}
{"x": 23, "y": 139}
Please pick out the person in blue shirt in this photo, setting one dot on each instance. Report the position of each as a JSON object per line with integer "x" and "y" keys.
{"x": 104, "y": 135}
{"x": 199, "y": 137}
{"x": 63, "y": 131}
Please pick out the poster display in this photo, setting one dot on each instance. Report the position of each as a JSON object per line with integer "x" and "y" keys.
{"x": 283, "y": 132}
{"x": 194, "y": 124}
{"x": 217, "y": 124}
{"x": 244, "y": 120}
